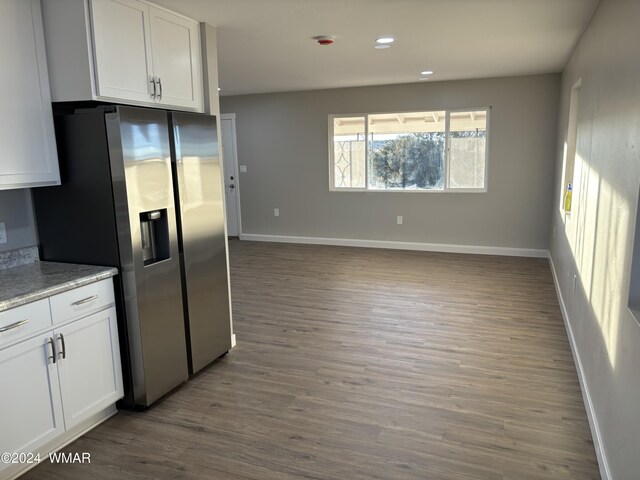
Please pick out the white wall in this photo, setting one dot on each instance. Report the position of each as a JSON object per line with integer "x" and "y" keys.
{"x": 17, "y": 213}
{"x": 283, "y": 141}
{"x": 595, "y": 241}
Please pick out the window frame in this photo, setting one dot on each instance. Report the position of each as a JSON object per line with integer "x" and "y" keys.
{"x": 447, "y": 154}
{"x": 570, "y": 148}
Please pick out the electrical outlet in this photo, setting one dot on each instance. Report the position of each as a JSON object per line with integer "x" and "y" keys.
{"x": 3, "y": 233}
{"x": 399, "y": 220}
{"x": 243, "y": 169}
{"x": 276, "y": 212}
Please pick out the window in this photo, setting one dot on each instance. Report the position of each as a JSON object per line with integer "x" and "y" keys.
{"x": 444, "y": 150}
{"x": 570, "y": 148}
{"x": 349, "y": 142}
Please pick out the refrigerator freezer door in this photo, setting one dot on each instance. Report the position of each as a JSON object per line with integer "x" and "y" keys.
{"x": 139, "y": 153}
{"x": 198, "y": 179}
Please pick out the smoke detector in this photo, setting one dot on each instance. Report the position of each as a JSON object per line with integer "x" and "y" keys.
{"x": 324, "y": 39}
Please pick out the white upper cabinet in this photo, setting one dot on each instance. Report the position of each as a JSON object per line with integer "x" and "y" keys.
{"x": 28, "y": 155}
{"x": 122, "y": 47}
{"x": 123, "y": 51}
{"x": 176, "y": 58}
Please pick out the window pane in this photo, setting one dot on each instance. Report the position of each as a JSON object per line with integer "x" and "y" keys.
{"x": 467, "y": 143}
{"x": 349, "y": 152}
{"x": 406, "y": 151}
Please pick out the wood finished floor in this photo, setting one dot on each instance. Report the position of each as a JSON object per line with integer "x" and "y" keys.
{"x": 367, "y": 364}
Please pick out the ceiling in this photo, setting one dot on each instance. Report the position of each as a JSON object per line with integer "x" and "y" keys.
{"x": 266, "y": 45}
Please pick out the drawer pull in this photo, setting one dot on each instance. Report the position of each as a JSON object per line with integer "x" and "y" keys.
{"x": 63, "y": 352}
{"x": 14, "y": 325}
{"x": 53, "y": 349}
{"x": 85, "y": 300}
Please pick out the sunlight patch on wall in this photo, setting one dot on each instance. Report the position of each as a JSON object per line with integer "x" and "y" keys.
{"x": 597, "y": 231}
{"x": 608, "y": 272}
{"x": 581, "y": 225}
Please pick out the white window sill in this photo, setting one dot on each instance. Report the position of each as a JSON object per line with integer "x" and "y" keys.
{"x": 449, "y": 190}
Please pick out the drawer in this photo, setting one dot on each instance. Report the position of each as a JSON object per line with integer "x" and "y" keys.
{"x": 81, "y": 301}
{"x": 21, "y": 322}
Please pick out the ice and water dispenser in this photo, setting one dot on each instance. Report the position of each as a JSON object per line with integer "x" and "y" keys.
{"x": 154, "y": 233}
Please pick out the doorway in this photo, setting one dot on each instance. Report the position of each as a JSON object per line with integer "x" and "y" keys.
{"x": 231, "y": 184}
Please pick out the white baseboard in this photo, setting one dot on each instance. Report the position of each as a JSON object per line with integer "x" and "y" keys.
{"x": 395, "y": 245}
{"x": 603, "y": 464}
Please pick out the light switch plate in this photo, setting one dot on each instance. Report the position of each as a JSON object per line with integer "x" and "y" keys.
{"x": 243, "y": 169}
{"x": 276, "y": 212}
{"x": 399, "y": 219}
{"x": 3, "y": 233}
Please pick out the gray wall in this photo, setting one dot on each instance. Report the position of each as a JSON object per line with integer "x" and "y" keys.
{"x": 282, "y": 139}
{"x": 595, "y": 242}
{"x": 17, "y": 213}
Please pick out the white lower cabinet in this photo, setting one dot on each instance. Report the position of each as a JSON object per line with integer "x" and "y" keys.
{"x": 30, "y": 406}
{"x": 61, "y": 377}
{"x": 89, "y": 366}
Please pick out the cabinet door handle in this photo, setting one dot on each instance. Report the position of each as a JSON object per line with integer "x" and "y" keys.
{"x": 63, "y": 352}
{"x": 14, "y": 325}
{"x": 53, "y": 350}
{"x": 160, "y": 83}
{"x": 85, "y": 300}
{"x": 153, "y": 82}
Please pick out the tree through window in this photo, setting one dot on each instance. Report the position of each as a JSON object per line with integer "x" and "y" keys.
{"x": 439, "y": 150}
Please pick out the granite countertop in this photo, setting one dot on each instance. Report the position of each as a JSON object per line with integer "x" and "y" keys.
{"x": 31, "y": 282}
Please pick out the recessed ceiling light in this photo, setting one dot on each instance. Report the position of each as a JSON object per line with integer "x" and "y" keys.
{"x": 384, "y": 40}
{"x": 426, "y": 72}
{"x": 381, "y": 47}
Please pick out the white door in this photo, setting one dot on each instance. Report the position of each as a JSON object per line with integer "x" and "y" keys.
{"x": 122, "y": 50}
{"x": 27, "y": 138}
{"x": 176, "y": 59}
{"x": 89, "y": 365}
{"x": 30, "y": 399}
{"x": 231, "y": 187}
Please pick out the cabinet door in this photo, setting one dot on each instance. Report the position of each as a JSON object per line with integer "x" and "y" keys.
{"x": 27, "y": 141}
{"x": 122, "y": 50}
{"x": 89, "y": 366}
{"x": 176, "y": 59}
{"x": 30, "y": 408}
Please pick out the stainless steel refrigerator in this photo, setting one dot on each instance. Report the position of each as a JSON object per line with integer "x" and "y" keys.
{"x": 141, "y": 190}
